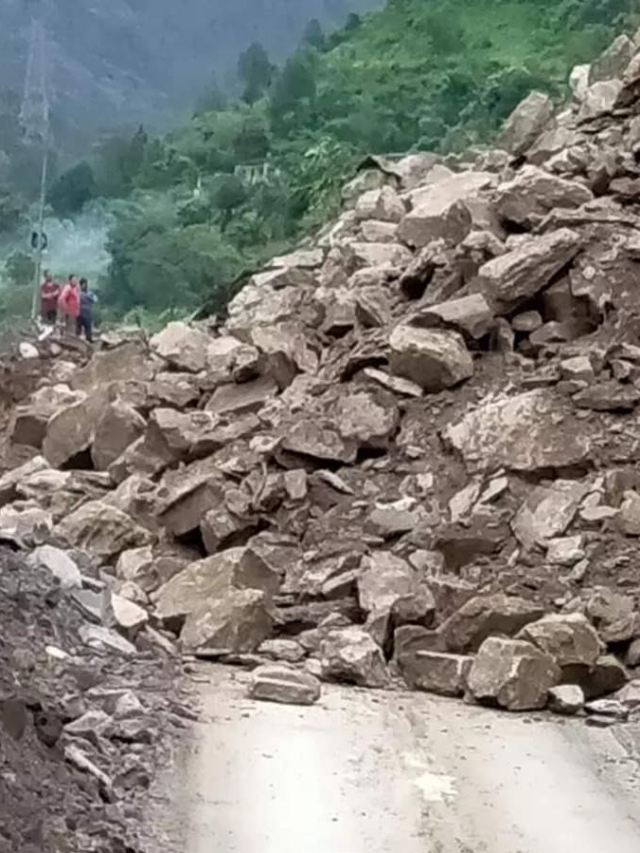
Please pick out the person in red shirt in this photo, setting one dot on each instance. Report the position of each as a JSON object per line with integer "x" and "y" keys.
{"x": 49, "y": 295}
{"x": 69, "y": 305}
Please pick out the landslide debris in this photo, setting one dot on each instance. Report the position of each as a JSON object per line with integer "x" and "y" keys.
{"x": 409, "y": 453}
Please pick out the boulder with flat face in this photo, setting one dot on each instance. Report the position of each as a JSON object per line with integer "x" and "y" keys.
{"x": 284, "y": 684}
{"x": 351, "y": 655}
{"x": 101, "y": 530}
{"x": 568, "y": 638}
{"x": 534, "y": 192}
{"x": 30, "y": 420}
{"x": 527, "y": 432}
{"x": 206, "y": 580}
{"x": 71, "y": 430}
{"x": 470, "y": 315}
{"x": 512, "y": 674}
{"x": 441, "y": 210}
{"x": 117, "y": 429}
{"x": 548, "y": 511}
{"x": 432, "y": 358}
{"x": 513, "y": 278}
{"x": 237, "y": 620}
{"x": 367, "y": 417}
{"x": 436, "y": 672}
{"x": 319, "y": 439}
{"x": 526, "y": 123}
{"x": 484, "y": 616}
{"x": 382, "y": 204}
{"x": 183, "y": 346}
{"x": 383, "y": 580}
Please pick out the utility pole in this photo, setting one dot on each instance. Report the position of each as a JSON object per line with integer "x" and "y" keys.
{"x": 34, "y": 119}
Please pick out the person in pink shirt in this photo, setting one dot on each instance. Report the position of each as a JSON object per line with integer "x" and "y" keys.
{"x": 69, "y": 305}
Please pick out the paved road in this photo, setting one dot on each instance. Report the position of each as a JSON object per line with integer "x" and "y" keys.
{"x": 366, "y": 772}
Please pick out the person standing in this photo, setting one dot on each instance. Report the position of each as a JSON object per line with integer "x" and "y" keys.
{"x": 49, "y": 295}
{"x": 69, "y": 305}
{"x": 85, "y": 320}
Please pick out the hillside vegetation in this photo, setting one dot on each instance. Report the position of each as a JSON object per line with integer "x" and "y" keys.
{"x": 246, "y": 177}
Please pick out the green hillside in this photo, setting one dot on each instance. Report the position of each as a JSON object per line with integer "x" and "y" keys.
{"x": 248, "y": 177}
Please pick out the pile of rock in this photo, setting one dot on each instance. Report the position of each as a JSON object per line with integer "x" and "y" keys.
{"x": 411, "y": 449}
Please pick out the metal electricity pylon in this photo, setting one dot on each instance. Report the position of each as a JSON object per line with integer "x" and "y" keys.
{"x": 35, "y": 123}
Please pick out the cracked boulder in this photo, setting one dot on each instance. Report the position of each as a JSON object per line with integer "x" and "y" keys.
{"x": 512, "y": 674}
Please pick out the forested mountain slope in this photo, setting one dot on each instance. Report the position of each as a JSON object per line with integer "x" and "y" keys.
{"x": 134, "y": 59}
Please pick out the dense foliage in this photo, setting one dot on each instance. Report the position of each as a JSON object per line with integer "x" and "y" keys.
{"x": 248, "y": 175}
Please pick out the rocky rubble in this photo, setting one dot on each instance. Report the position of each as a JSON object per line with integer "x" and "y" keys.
{"x": 409, "y": 451}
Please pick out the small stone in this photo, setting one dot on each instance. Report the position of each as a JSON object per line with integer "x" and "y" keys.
{"x": 567, "y": 699}
{"x": 59, "y": 563}
{"x": 279, "y": 683}
{"x": 284, "y": 650}
{"x": 608, "y": 708}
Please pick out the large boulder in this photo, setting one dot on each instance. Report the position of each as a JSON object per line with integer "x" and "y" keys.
{"x": 470, "y": 315}
{"x": 614, "y": 61}
{"x": 183, "y": 346}
{"x": 383, "y": 580}
{"x": 130, "y": 360}
{"x": 232, "y": 399}
{"x": 442, "y": 210}
{"x": 434, "y": 359}
{"x": 101, "y": 530}
{"x": 520, "y": 433}
{"x": 190, "y": 498}
{"x": 236, "y": 621}
{"x": 119, "y": 426}
{"x": 71, "y": 430}
{"x": 484, "y": 616}
{"x": 600, "y": 99}
{"x": 30, "y": 420}
{"x": 381, "y": 255}
{"x": 613, "y": 615}
{"x": 206, "y": 580}
{"x": 436, "y": 672}
{"x": 534, "y": 192}
{"x": 548, "y": 511}
{"x": 513, "y": 278}
{"x": 512, "y": 674}
{"x": 526, "y": 123}
{"x": 382, "y": 204}
{"x": 319, "y": 439}
{"x": 367, "y": 417}
{"x": 10, "y": 481}
{"x": 284, "y": 684}
{"x": 174, "y": 389}
{"x": 568, "y": 638}
{"x": 351, "y": 655}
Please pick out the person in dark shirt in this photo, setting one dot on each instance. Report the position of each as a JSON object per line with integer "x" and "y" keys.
{"x": 49, "y": 295}
{"x": 85, "y": 318}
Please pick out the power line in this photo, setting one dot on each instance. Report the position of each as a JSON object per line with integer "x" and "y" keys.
{"x": 35, "y": 123}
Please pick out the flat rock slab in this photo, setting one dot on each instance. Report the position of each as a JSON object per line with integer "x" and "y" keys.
{"x": 278, "y": 683}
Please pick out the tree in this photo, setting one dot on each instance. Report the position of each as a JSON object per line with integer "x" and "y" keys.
{"x": 228, "y": 194}
{"x": 251, "y": 145}
{"x": 73, "y": 189}
{"x": 255, "y": 71}
{"x": 296, "y": 84}
{"x": 20, "y": 269}
{"x": 313, "y": 35}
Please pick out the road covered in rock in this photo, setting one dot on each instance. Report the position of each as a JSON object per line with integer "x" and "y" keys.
{"x": 406, "y": 457}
